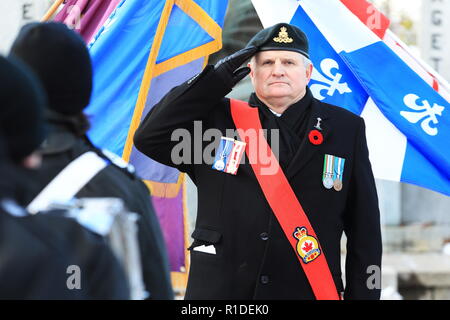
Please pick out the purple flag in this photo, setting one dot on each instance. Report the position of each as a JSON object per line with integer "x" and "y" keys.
{"x": 86, "y": 16}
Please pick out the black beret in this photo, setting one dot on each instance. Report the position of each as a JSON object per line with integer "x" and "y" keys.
{"x": 22, "y": 105}
{"x": 60, "y": 59}
{"x": 282, "y": 36}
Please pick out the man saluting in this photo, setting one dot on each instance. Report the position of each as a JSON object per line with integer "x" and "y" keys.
{"x": 273, "y": 234}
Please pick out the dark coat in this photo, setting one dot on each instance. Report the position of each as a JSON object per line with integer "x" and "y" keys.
{"x": 254, "y": 259}
{"x": 36, "y": 252}
{"x": 61, "y": 148}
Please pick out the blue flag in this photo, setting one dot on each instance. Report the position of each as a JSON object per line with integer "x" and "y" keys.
{"x": 142, "y": 51}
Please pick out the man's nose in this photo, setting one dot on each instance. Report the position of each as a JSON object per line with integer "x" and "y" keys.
{"x": 278, "y": 69}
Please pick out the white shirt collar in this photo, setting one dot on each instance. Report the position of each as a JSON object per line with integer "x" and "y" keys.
{"x": 275, "y": 113}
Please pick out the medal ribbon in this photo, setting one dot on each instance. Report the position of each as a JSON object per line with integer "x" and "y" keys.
{"x": 330, "y": 165}
{"x": 225, "y": 149}
{"x": 338, "y": 167}
{"x": 223, "y": 154}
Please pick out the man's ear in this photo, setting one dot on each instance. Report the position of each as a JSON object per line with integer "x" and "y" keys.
{"x": 250, "y": 65}
{"x": 309, "y": 71}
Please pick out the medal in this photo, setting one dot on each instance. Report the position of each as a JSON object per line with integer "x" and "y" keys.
{"x": 328, "y": 182}
{"x": 327, "y": 175}
{"x": 222, "y": 153}
{"x": 338, "y": 169}
{"x": 219, "y": 165}
{"x": 237, "y": 151}
{"x": 229, "y": 155}
{"x": 337, "y": 185}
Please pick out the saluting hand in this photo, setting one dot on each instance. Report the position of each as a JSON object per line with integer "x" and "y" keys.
{"x": 226, "y": 67}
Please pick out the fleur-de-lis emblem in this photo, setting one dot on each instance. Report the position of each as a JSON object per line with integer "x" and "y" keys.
{"x": 283, "y": 36}
{"x": 427, "y": 113}
{"x": 329, "y": 82}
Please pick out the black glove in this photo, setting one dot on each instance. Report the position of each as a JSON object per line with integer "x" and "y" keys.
{"x": 226, "y": 68}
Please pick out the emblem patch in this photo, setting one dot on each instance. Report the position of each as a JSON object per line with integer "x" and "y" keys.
{"x": 307, "y": 246}
{"x": 283, "y": 36}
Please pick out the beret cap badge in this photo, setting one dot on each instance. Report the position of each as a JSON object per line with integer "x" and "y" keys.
{"x": 283, "y": 36}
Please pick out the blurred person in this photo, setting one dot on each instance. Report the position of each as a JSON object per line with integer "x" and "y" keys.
{"x": 29, "y": 267}
{"x": 60, "y": 59}
{"x": 37, "y": 250}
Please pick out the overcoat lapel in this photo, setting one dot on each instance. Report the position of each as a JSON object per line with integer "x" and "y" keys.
{"x": 307, "y": 149}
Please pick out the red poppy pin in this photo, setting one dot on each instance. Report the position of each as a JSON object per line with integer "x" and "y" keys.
{"x": 315, "y": 137}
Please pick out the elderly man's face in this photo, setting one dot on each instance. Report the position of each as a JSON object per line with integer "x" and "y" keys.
{"x": 279, "y": 75}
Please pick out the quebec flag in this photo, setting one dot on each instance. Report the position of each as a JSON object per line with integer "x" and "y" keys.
{"x": 407, "y": 121}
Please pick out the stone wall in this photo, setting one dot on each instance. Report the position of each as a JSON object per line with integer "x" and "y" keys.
{"x": 14, "y": 14}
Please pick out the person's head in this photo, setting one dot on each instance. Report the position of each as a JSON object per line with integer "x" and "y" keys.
{"x": 281, "y": 69}
{"x": 60, "y": 59}
{"x": 22, "y": 103}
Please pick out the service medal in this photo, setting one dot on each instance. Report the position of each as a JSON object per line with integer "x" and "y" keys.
{"x": 328, "y": 182}
{"x": 219, "y": 165}
{"x": 327, "y": 175}
{"x": 229, "y": 155}
{"x": 338, "y": 170}
{"x": 337, "y": 185}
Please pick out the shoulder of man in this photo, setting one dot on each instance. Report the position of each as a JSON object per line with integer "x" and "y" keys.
{"x": 345, "y": 119}
{"x": 85, "y": 145}
{"x": 110, "y": 157}
{"x": 340, "y": 113}
{"x": 118, "y": 179}
{"x": 118, "y": 162}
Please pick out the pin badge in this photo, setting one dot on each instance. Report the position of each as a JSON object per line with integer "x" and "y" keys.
{"x": 317, "y": 126}
{"x": 315, "y": 137}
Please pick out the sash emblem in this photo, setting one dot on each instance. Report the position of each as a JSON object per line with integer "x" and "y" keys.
{"x": 307, "y": 246}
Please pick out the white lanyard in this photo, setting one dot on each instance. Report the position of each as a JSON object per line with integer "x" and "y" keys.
{"x": 69, "y": 181}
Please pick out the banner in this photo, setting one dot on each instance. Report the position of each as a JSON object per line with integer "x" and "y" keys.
{"x": 407, "y": 129}
{"x": 140, "y": 50}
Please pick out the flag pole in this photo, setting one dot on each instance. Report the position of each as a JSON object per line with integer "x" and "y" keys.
{"x": 52, "y": 10}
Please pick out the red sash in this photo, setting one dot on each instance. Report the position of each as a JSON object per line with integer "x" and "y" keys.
{"x": 285, "y": 205}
